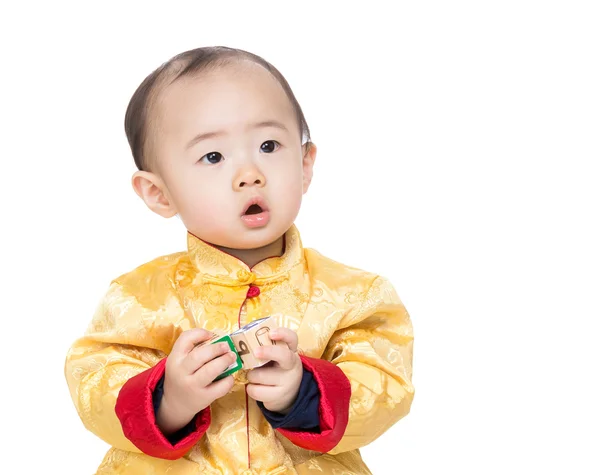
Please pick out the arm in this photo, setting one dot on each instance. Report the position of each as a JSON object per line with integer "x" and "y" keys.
{"x": 112, "y": 373}
{"x": 364, "y": 375}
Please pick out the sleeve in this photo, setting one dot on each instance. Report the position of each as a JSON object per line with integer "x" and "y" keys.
{"x": 112, "y": 372}
{"x": 364, "y": 375}
{"x": 304, "y": 414}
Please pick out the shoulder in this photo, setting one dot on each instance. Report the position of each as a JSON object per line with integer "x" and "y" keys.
{"x": 161, "y": 266}
{"x": 360, "y": 291}
{"x": 335, "y": 274}
{"x": 128, "y": 311}
{"x": 153, "y": 283}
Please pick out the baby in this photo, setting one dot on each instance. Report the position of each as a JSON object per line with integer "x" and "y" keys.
{"x": 220, "y": 140}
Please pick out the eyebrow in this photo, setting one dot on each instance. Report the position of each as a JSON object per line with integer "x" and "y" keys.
{"x": 269, "y": 123}
{"x": 259, "y": 125}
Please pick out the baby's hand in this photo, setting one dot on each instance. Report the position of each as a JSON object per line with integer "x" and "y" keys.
{"x": 189, "y": 375}
{"x": 277, "y": 384}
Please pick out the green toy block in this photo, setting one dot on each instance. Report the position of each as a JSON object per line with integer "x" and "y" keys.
{"x": 236, "y": 365}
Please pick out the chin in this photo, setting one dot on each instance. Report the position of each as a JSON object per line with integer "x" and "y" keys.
{"x": 256, "y": 238}
{"x": 244, "y": 238}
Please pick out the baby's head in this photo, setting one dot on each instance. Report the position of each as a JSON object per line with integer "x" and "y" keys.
{"x": 220, "y": 139}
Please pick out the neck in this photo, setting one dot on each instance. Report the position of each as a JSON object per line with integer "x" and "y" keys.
{"x": 251, "y": 257}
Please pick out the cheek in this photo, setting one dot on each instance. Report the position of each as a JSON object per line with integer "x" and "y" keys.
{"x": 198, "y": 200}
{"x": 288, "y": 194}
{"x": 287, "y": 176}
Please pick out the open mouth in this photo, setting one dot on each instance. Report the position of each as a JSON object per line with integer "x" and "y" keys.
{"x": 254, "y": 209}
{"x": 257, "y": 213}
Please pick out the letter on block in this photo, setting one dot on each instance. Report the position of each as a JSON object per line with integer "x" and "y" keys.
{"x": 252, "y": 336}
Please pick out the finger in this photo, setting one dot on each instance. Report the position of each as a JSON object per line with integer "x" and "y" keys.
{"x": 282, "y": 355}
{"x": 220, "y": 388}
{"x": 286, "y": 335}
{"x": 188, "y": 340}
{"x": 209, "y": 371}
{"x": 201, "y": 355}
{"x": 264, "y": 394}
{"x": 265, "y": 376}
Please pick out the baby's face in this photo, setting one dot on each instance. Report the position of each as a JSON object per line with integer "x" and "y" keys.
{"x": 228, "y": 149}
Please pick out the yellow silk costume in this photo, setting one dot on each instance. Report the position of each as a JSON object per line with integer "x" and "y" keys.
{"x": 346, "y": 316}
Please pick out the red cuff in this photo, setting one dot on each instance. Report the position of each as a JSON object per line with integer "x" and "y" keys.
{"x": 135, "y": 410}
{"x": 334, "y": 406}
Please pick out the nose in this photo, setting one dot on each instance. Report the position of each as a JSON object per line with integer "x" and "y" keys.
{"x": 249, "y": 176}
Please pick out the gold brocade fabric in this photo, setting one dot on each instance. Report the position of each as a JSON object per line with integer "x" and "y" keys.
{"x": 347, "y": 316}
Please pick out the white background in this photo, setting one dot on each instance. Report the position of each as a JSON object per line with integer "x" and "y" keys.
{"x": 459, "y": 154}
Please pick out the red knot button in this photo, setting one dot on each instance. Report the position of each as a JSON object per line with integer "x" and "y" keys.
{"x": 253, "y": 291}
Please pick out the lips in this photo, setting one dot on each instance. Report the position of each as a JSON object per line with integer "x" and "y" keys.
{"x": 256, "y": 213}
{"x": 255, "y": 206}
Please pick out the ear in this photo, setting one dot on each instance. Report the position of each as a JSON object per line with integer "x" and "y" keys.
{"x": 152, "y": 190}
{"x": 308, "y": 162}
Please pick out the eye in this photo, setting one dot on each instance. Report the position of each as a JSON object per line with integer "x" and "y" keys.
{"x": 212, "y": 158}
{"x": 269, "y": 146}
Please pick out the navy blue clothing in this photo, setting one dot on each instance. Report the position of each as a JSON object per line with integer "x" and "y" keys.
{"x": 304, "y": 414}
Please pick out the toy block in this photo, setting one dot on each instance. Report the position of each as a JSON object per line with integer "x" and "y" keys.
{"x": 236, "y": 365}
{"x": 251, "y": 336}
